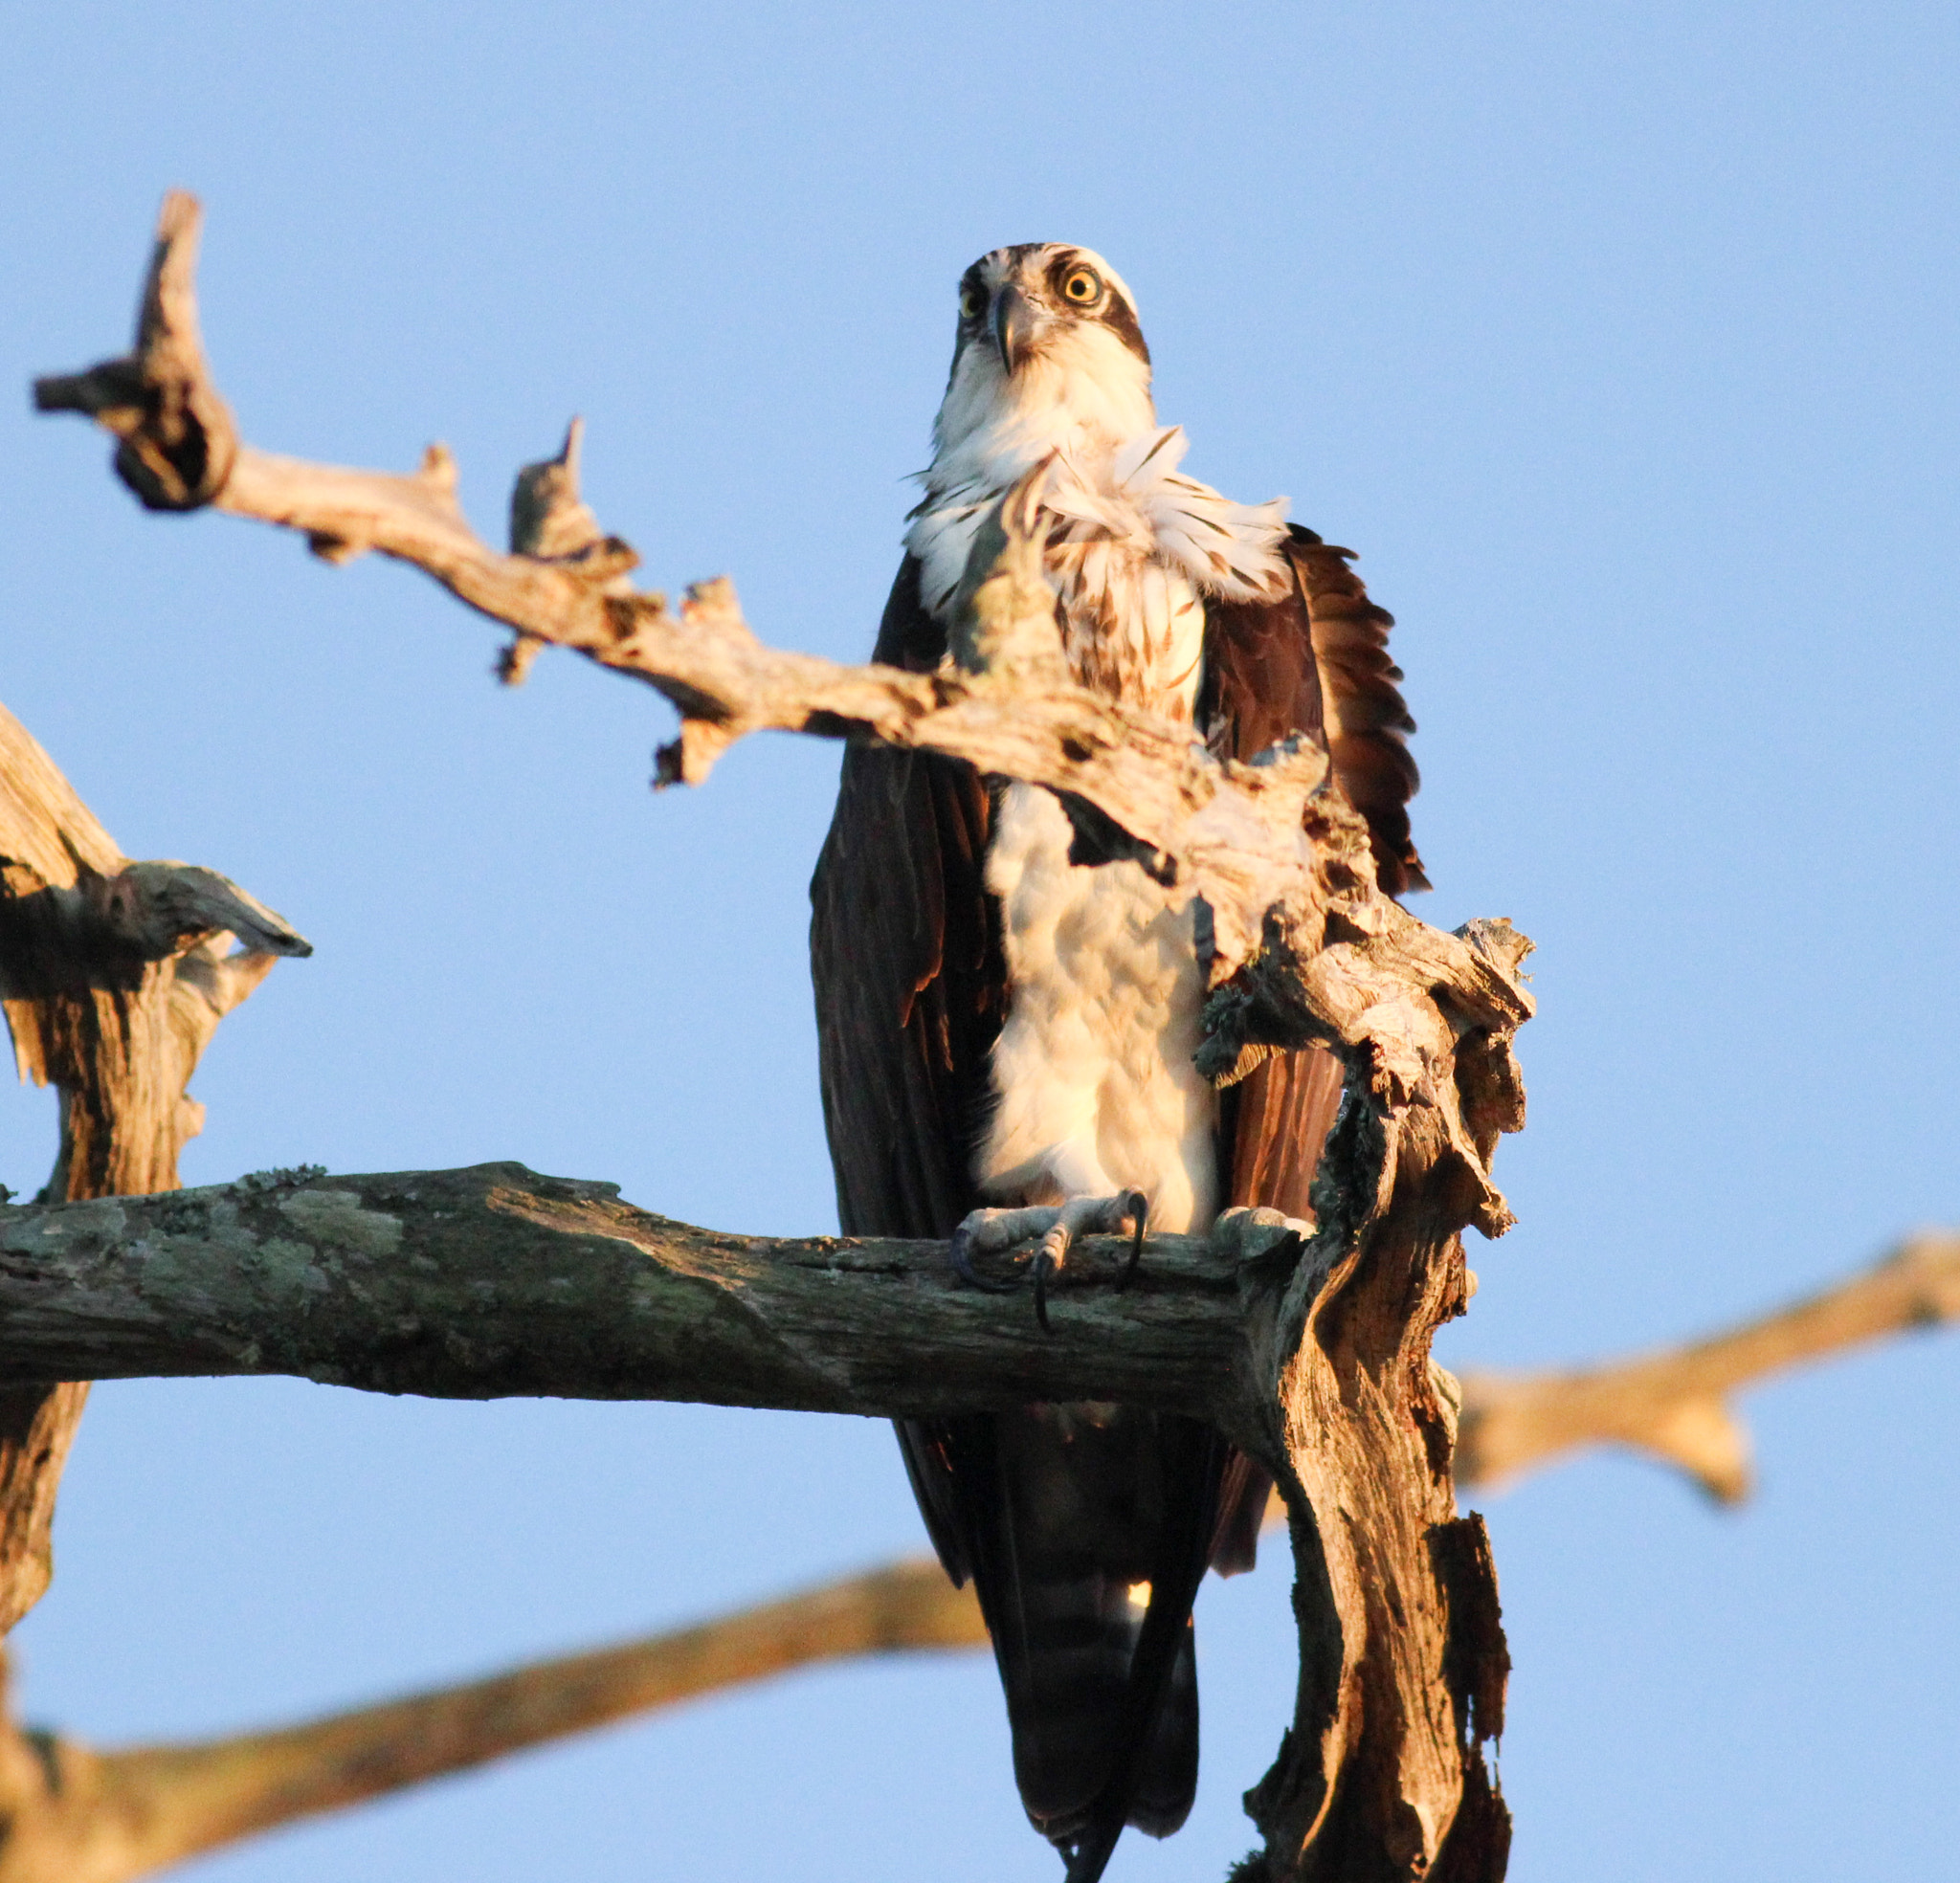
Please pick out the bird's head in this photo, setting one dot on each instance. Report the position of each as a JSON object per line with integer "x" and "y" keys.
{"x": 1048, "y": 353}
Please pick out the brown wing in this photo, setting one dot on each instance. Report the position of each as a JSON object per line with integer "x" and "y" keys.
{"x": 911, "y": 986}
{"x": 1316, "y": 661}
{"x": 1366, "y": 718}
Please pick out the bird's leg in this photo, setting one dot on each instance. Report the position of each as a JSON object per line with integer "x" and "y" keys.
{"x": 986, "y": 1231}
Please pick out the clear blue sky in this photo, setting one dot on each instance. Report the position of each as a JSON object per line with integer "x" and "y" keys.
{"x": 1618, "y": 339}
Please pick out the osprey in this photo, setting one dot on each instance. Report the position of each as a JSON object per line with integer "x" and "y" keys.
{"x": 1006, "y": 1039}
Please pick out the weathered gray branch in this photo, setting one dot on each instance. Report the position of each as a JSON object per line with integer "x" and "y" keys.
{"x": 491, "y": 1281}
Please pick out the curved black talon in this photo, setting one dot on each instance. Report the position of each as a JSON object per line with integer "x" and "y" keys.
{"x": 1137, "y": 1206}
{"x": 960, "y": 1252}
{"x": 1045, "y": 1265}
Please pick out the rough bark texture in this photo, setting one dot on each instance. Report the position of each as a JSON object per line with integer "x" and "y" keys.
{"x": 114, "y": 976}
{"x": 1402, "y": 1651}
{"x": 1324, "y": 1372}
{"x": 490, "y": 1282}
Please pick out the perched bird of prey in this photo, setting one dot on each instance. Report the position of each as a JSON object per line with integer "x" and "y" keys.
{"x": 1006, "y": 1039}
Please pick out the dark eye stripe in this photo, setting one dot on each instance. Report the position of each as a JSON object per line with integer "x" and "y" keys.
{"x": 1116, "y": 315}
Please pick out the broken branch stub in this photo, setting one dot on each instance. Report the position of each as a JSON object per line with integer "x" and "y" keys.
{"x": 177, "y": 441}
{"x": 114, "y": 976}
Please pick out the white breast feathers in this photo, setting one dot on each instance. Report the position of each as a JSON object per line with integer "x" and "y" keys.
{"x": 1095, "y": 1089}
{"x": 1133, "y": 546}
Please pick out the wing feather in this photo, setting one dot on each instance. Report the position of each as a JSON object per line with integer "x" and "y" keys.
{"x": 1367, "y": 722}
{"x": 1316, "y": 661}
{"x": 911, "y": 984}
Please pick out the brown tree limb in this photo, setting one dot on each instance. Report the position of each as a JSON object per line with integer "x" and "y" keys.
{"x": 1233, "y": 832}
{"x": 114, "y": 976}
{"x": 1328, "y": 1380}
{"x": 1674, "y": 1403}
{"x": 81, "y": 1816}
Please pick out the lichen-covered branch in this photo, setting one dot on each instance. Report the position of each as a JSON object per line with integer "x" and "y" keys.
{"x": 491, "y": 1281}
{"x": 1674, "y": 1403}
{"x": 114, "y": 976}
{"x": 73, "y": 1815}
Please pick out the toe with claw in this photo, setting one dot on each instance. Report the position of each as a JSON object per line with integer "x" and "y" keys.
{"x": 1251, "y": 1234}
{"x": 987, "y": 1231}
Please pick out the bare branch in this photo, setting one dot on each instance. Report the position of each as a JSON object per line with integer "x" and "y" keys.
{"x": 1675, "y": 1403}
{"x": 491, "y": 1281}
{"x": 78, "y": 1816}
{"x": 1233, "y": 832}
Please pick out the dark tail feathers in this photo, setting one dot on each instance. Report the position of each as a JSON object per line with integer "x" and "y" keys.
{"x": 1087, "y": 1529}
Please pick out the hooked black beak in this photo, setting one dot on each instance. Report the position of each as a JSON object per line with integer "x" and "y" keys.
{"x": 1014, "y": 326}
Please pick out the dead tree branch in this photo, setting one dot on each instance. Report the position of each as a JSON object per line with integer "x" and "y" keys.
{"x": 114, "y": 976}
{"x": 1675, "y": 1403}
{"x": 106, "y": 1817}
{"x": 490, "y": 1282}
{"x": 1237, "y": 834}
{"x": 1325, "y": 1373}
{"x": 81, "y": 1816}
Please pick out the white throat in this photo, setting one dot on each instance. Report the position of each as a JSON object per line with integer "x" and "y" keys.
{"x": 1133, "y": 544}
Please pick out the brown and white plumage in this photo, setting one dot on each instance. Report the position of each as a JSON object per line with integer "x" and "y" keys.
{"x": 998, "y": 1026}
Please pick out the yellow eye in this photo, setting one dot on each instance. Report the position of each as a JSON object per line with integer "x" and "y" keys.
{"x": 971, "y": 303}
{"x": 1082, "y": 286}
